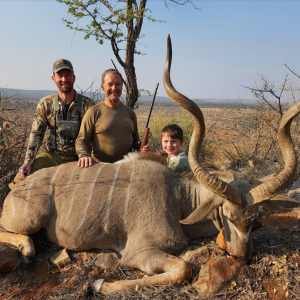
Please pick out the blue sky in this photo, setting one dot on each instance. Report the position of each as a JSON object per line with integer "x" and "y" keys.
{"x": 216, "y": 51}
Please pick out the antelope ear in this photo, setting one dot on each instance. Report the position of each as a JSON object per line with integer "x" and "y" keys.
{"x": 280, "y": 201}
{"x": 202, "y": 211}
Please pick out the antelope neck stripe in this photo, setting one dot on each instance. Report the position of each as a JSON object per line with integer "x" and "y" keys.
{"x": 127, "y": 195}
{"x": 74, "y": 194}
{"x": 91, "y": 189}
{"x": 51, "y": 184}
{"x": 110, "y": 198}
{"x": 27, "y": 198}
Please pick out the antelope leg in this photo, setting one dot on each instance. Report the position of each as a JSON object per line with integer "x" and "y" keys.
{"x": 171, "y": 269}
{"x": 23, "y": 242}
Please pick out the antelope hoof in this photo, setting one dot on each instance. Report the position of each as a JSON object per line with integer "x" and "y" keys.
{"x": 97, "y": 285}
{"x": 27, "y": 251}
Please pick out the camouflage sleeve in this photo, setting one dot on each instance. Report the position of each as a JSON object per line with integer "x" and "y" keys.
{"x": 37, "y": 132}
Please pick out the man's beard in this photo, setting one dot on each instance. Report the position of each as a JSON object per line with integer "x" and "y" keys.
{"x": 113, "y": 98}
{"x": 66, "y": 90}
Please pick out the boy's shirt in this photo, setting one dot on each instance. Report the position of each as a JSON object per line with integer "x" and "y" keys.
{"x": 179, "y": 164}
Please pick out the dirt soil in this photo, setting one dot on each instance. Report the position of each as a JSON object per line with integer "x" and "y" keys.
{"x": 273, "y": 273}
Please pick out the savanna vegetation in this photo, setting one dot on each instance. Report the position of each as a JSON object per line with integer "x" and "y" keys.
{"x": 239, "y": 138}
{"x": 16, "y": 118}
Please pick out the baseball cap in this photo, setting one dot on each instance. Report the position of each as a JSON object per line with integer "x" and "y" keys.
{"x": 62, "y": 64}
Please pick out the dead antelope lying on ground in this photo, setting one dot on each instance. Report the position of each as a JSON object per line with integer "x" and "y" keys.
{"x": 140, "y": 208}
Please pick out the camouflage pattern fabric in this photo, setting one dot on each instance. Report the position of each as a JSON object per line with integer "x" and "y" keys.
{"x": 45, "y": 119}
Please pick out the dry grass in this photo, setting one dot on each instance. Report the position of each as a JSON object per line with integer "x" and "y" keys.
{"x": 15, "y": 121}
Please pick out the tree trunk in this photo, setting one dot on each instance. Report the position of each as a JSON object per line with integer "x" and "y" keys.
{"x": 131, "y": 86}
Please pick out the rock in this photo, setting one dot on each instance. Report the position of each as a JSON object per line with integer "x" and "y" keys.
{"x": 60, "y": 258}
{"x": 267, "y": 235}
{"x": 196, "y": 256}
{"x": 9, "y": 257}
{"x": 294, "y": 194}
{"x": 216, "y": 273}
{"x": 106, "y": 260}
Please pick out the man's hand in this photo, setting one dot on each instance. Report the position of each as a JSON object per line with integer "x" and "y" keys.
{"x": 86, "y": 161}
{"x": 146, "y": 148}
{"x": 24, "y": 171}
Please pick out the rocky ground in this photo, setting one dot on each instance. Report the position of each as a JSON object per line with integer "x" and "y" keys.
{"x": 272, "y": 274}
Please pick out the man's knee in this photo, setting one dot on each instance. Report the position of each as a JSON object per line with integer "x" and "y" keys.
{"x": 44, "y": 160}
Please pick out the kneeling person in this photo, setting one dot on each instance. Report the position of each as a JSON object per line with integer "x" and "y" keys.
{"x": 110, "y": 126}
{"x": 61, "y": 114}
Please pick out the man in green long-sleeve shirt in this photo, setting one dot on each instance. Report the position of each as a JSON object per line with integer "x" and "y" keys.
{"x": 110, "y": 126}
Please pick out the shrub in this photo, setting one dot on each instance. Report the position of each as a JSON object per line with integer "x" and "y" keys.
{"x": 15, "y": 122}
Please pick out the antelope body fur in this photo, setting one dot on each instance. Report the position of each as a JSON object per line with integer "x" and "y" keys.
{"x": 141, "y": 209}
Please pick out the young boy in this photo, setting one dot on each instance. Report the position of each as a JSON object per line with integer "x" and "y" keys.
{"x": 172, "y": 140}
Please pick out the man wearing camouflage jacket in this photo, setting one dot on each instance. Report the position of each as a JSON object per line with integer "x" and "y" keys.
{"x": 61, "y": 114}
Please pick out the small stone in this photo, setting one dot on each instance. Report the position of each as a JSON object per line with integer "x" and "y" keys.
{"x": 216, "y": 274}
{"x": 196, "y": 256}
{"x": 60, "y": 258}
{"x": 97, "y": 285}
{"x": 294, "y": 194}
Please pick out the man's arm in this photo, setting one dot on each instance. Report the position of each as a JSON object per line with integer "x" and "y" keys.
{"x": 36, "y": 136}
{"x": 84, "y": 140}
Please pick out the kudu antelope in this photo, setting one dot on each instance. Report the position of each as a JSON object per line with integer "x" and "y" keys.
{"x": 140, "y": 208}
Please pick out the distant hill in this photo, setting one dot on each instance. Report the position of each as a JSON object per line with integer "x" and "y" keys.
{"x": 35, "y": 95}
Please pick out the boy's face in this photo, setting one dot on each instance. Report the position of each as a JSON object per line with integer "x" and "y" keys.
{"x": 171, "y": 146}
